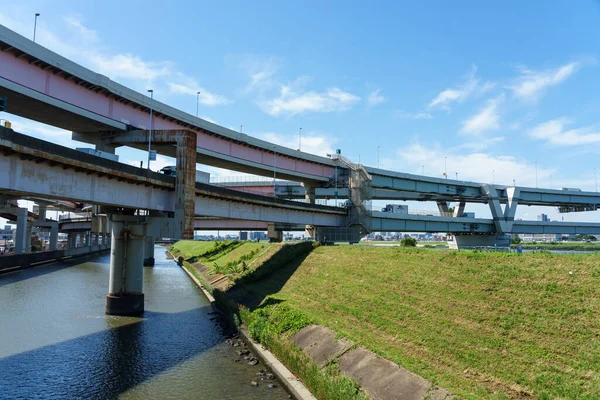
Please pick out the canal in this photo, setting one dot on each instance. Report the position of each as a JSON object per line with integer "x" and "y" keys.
{"x": 57, "y": 343}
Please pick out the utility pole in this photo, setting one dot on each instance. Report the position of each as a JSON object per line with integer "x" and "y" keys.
{"x": 151, "y": 91}
{"x": 197, "y": 103}
{"x": 35, "y": 25}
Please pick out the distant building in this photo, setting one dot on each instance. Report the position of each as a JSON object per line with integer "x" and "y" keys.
{"x": 258, "y": 236}
{"x": 243, "y": 235}
{"x": 7, "y": 234}
{"x": 543, "y": 218}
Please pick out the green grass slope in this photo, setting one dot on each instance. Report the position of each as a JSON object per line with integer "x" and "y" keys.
{"x": 482, "y": 325}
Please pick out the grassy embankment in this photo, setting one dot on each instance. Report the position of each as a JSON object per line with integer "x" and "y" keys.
{"x": 275, "y": 261}
{"x": 482, "y": 325}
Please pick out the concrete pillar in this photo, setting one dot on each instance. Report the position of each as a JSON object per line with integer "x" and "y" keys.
{"x": 185, "y": 185}
{"x": 28, "y": 232}
{"x": 22, "y": 232}
{"x": 106, "y": 147}
{"x": 149, "y": 251}
{"x": 53, "y": 237}
{"x": 88, "y": 239}
{"x": 459, "y": 210}
{"x": 71, "y": 240}
{"x": 273, "y": 234}
{"x": 309, "y": 230}
{"x": 125, "y": 290}
{"x": 42, "y": 213}
{"x": 443, "y": 208}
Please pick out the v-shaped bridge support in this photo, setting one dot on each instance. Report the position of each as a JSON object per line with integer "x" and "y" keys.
{"x": 503, "y": 219}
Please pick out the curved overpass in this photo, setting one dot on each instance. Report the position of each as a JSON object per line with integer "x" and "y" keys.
{"x": 44, "y": 86}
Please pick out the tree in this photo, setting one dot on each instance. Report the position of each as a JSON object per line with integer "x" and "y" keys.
{"x": 515, "y": 240}
{"x": 408, "y": 242}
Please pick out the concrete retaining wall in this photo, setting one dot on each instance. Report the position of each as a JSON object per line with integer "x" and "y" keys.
{"x": 27, "y": 260}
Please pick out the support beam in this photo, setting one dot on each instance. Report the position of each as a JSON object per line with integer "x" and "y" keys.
{"x": 53, "y": 237}
{"x": 443, "y": 208}
{"x": 22, "y": 231}
{"x": 459, "y": 210}
{"x": 503, "y": 219}
{"x": 125, "y": 290}
{"x": 310, "y": 198}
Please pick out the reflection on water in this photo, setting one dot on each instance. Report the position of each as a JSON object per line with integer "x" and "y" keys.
{"x": 56, "y": 341}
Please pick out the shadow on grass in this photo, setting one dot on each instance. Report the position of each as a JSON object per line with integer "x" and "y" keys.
{"x": 269, "y": 278}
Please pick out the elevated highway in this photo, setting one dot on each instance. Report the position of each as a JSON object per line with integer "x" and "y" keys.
{"x": 142, "y": 205}
{"x": 46, "y": 87}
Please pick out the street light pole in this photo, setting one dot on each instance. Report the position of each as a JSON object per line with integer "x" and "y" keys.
{"x": 456, "y": 173}
{"x": 446, "y": 167}
{"x": 493, "y": 176}
{"x": 35, "y": 25}
{"x": 151, "y": 91}
{"x": 300, "y": 140}
{"x": 423, "y": 169}
{"x": 197, "y": 103}
{"x": 241, "y": 126}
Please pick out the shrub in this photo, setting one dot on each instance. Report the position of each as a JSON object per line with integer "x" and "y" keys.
{"x": 408, "y": 242}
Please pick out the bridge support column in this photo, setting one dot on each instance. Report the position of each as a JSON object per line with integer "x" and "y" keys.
{"x": 53, "y": 237}
{"x": 22, "y": 232}
{"x": 459, "y": 210}
{"x": 443, "y": 208}
{"x": 185, "y": 184}
{"x": 310, "y": 197}
{"x": 149, "y": 251}
{"x": 125, "y": 290}
{"x": 503, "y": 219}
{"x": 273, "y": 234}
{"x": 71, "y": 240}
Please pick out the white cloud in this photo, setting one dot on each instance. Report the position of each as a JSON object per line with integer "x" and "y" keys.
{"x": 375, "y": 98}
{"x": 41, "y": 131}
{"x": 470, "y": 86}
{"x": 206, "y": 98}
{"x": 209, "y": 119}
{"x": 291, "y": 98}
{"x": 531, "y": 84}
{"x": 292, "y": 102}
{"x": 554, "y": 132}
{"x": 418, "y": 115}
{"x": 262, "y": 71}
{"x": 313, "y": 143}
{"x": 485, "y": 120}
{"x": 474, "y": 166}
{"x": 83, "y": 45}
{"x": 129, "y": 66}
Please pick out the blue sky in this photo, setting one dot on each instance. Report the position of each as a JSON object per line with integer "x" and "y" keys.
{"x": 490, "y": 90}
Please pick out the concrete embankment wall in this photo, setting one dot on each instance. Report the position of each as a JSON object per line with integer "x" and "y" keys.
{"x": 21, "y": 261}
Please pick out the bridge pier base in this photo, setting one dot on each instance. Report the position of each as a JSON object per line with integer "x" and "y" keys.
{"x": 310, "y": 197}
{"x": 149, "y": 251}
{"x": 125, "y": 291}
{"x": 274, "y": 235}
{"x": 484, "y": 241}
